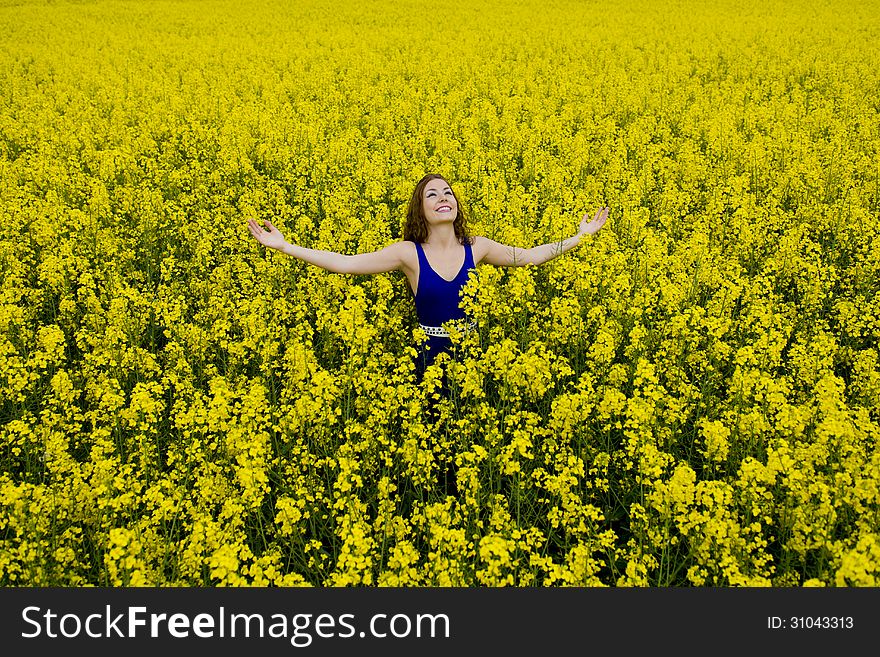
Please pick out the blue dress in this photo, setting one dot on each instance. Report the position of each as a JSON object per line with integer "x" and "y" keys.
{"x": 437, "y": 301}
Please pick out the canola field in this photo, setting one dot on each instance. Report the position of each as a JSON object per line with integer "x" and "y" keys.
{"x": 689, "y": 398}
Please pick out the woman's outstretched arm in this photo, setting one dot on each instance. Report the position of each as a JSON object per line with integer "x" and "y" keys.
{"x": 388, "y": 259}
{"x": 510, "y": 256}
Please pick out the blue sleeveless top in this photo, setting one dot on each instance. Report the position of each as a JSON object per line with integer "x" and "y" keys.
{"x": 436, "y": 298}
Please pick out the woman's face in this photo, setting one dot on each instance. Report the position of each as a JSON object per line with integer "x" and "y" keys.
{"x": 438, "y": 202}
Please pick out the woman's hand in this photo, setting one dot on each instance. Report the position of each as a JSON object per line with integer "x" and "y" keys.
{"x": 271, "y": 238}
{"x": 598, "y": 221}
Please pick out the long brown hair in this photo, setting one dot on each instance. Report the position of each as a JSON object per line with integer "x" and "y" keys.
{"x": 416, "y": 227}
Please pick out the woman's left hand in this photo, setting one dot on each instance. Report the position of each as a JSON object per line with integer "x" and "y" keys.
{"x": 598, "y": 221}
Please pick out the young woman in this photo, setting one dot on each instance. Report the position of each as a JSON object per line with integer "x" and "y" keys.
{"x": 436, "y": 254}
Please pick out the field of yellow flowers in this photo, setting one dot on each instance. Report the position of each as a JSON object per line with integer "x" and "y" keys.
{"x": 689, "y": 398}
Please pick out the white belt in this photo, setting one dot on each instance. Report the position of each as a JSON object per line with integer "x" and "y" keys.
{"x": 439, "y": 331}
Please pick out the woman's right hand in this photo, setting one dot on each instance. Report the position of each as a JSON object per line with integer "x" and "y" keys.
{"x": 271, "y": 238}
{"x": 598, "y": 221}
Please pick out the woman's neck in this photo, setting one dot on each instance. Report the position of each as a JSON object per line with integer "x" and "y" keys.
{"x": 443, "y": 238}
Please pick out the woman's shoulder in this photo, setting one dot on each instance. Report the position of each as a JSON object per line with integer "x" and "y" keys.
{"x": 478, "y": 248}
{"x": 407, "y": 251}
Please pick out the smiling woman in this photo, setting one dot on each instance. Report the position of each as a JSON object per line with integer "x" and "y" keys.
{"x": 436, "y": 254}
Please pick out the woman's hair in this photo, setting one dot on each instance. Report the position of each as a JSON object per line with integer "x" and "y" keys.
{"x": 416, "y": 227}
